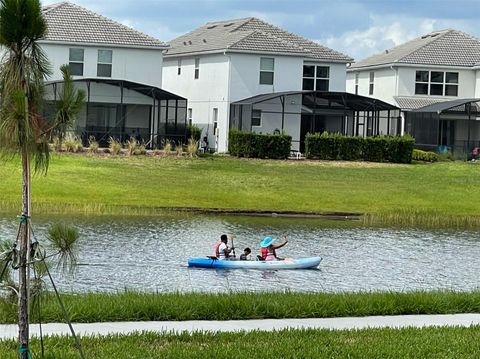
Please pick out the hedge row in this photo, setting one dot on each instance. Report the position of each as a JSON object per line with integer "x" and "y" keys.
{"x": 425, "y": 156}
{"x": 327, "y": 146}
{"x": 252, "y": 145}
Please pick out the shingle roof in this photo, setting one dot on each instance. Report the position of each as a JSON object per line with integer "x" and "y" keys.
{"x": 413, "y": 103}
{"x": 446, "y": 47}
{"x": 250, "y": 35}
{"x": 71, "y": 23}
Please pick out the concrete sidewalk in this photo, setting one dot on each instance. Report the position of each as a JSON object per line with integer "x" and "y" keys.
{"x": 463, "y": 320}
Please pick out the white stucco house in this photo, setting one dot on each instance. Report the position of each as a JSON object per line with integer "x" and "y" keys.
{"x": 120, "y": 70}
{"x": 435, "y": 80}
{"x": 224, "y": 68}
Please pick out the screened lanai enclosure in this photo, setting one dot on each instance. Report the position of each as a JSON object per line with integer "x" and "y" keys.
{"x": 300, "y": 112}
{"x": 446, "y": 126}
{"x": 123, "y": 109}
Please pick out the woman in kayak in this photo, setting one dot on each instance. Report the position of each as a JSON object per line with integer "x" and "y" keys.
{"x": 269, "y": 249}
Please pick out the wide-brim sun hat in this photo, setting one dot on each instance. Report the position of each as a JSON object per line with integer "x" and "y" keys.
{"x": 266, "y": 242}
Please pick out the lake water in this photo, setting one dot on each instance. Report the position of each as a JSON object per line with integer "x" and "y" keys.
{"x": 150, "y": 254}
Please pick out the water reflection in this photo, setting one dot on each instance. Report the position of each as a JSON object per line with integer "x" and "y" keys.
{"x": 150, "y": 254}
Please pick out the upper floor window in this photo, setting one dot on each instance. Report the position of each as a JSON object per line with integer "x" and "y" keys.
{"x": 436, "y": 83}
{"x": 179, "y": 66}
{"x": 257, "y": 118}
{"x": 76, "y": 57}
{"x": 371, "y": 87}
{"x": 197, "y": 68}
{"x": 104, "y": 64}
{"x": 267, "y": 69}
{"x": 316, "y": 78}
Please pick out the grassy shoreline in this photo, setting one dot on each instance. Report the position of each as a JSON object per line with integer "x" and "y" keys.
{"x": 131, "y": 306}
{"x": 368, "y": 343}
{"x": 439, "y": 194}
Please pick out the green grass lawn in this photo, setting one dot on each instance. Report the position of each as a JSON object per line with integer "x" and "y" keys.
{"x": 143, "y": 185}
{"x": 371, "y": 343}
{"x": 129, "y": 306}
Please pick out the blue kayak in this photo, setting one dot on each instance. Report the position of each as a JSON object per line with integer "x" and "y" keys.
{"x": 288, "y": 263}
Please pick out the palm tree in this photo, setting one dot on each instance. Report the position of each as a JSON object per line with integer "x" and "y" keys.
{"x": 23, "y": 70}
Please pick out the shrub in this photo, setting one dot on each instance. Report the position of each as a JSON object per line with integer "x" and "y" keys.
{"x": 194, "y": 132}
{"x": 425, "y": 156}
{"x": 326, "y": 146}
{"x": 252, "y": 145}
{"x": 114, "y": 145}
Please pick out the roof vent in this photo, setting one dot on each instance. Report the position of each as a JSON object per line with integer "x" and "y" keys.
{"x": 229, "y": 24}
{"x": 189, "y": 42}
{"x": 204, "y": 41}
{"x": 211, "y": 27}
{"x": 386, "y": 51}
{"x": 184, "y": 43}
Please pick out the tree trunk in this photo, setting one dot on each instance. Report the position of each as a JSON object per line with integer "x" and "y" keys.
{"x": 23, "y": 251}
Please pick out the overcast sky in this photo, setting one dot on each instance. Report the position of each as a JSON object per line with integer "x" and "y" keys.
{"x": 358, "y": 28}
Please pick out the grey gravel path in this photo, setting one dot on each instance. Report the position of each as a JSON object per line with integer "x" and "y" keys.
{"x": 463, "y": 320}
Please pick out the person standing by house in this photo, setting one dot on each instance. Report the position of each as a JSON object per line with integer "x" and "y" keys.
{"x": 269, "y": 248}
{"x": 222, "y": 251}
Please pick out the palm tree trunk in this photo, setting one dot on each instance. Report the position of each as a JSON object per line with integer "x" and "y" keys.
{"x": 23, "y": 290}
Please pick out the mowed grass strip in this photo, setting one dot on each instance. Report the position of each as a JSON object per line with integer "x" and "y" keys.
{"x": 130, "y": 306}
{"x": 371, "y": 343}
{"x": 145, "y": 185}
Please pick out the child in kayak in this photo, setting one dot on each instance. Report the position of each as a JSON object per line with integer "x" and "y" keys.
{"x": 269, "y": 249}
{"x": 245, "y": 254}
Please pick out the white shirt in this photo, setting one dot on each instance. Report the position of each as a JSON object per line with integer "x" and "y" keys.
{"x": 221, "y": 251}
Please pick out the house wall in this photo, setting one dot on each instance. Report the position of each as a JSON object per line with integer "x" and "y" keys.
{"x": 226, "y": 78}
{"x": 384, "y": 84}
{"x": 208, "y": 92}
{"x": 132, "y": 64}
{"x": 477, "y": 83}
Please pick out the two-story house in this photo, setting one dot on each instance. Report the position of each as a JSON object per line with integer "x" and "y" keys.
{"x": 120, "y": 70}
{"x": 435, "y": 80}
{"x": 226, "y": 63}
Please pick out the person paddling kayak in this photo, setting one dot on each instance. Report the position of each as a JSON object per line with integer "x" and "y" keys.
{"x": 221, "y": 248}
{"x": 269, "y": 249}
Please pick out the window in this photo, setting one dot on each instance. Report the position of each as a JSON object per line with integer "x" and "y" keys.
{"x": 215, "y": 121}
{"x": 267, "y": 68}
{"x": 76, "y": 61}
{"x": 256, "y": 118}
{"x": 356, "y": 84}
{"x": 436, "y": 83}
{"x": 197, "y": 68}
{"x": 371, "y": 87}
{"x": 104, "y": 66}
{"x": 179, "y": 67}
{"x": 189, "y": 116}
{"x": 316, "y": 78}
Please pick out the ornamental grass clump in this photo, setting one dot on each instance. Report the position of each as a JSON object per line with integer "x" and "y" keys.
{"x": 179, "y": 149}
{"x": 57, "y": 144}
{"x": 192, "y": 147}
{"x": 167, "y": 148}
{"x": 73, "y": 143}
{"x": 132, "y": 146}
{"x": 92, "y": 145}
{"x": 114, "y": 146}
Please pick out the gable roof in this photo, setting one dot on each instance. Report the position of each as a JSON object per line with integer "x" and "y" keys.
{"x": 70, "y": 23}
{"x": 446, "y": 47}
{"x": 250, "y": 35}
